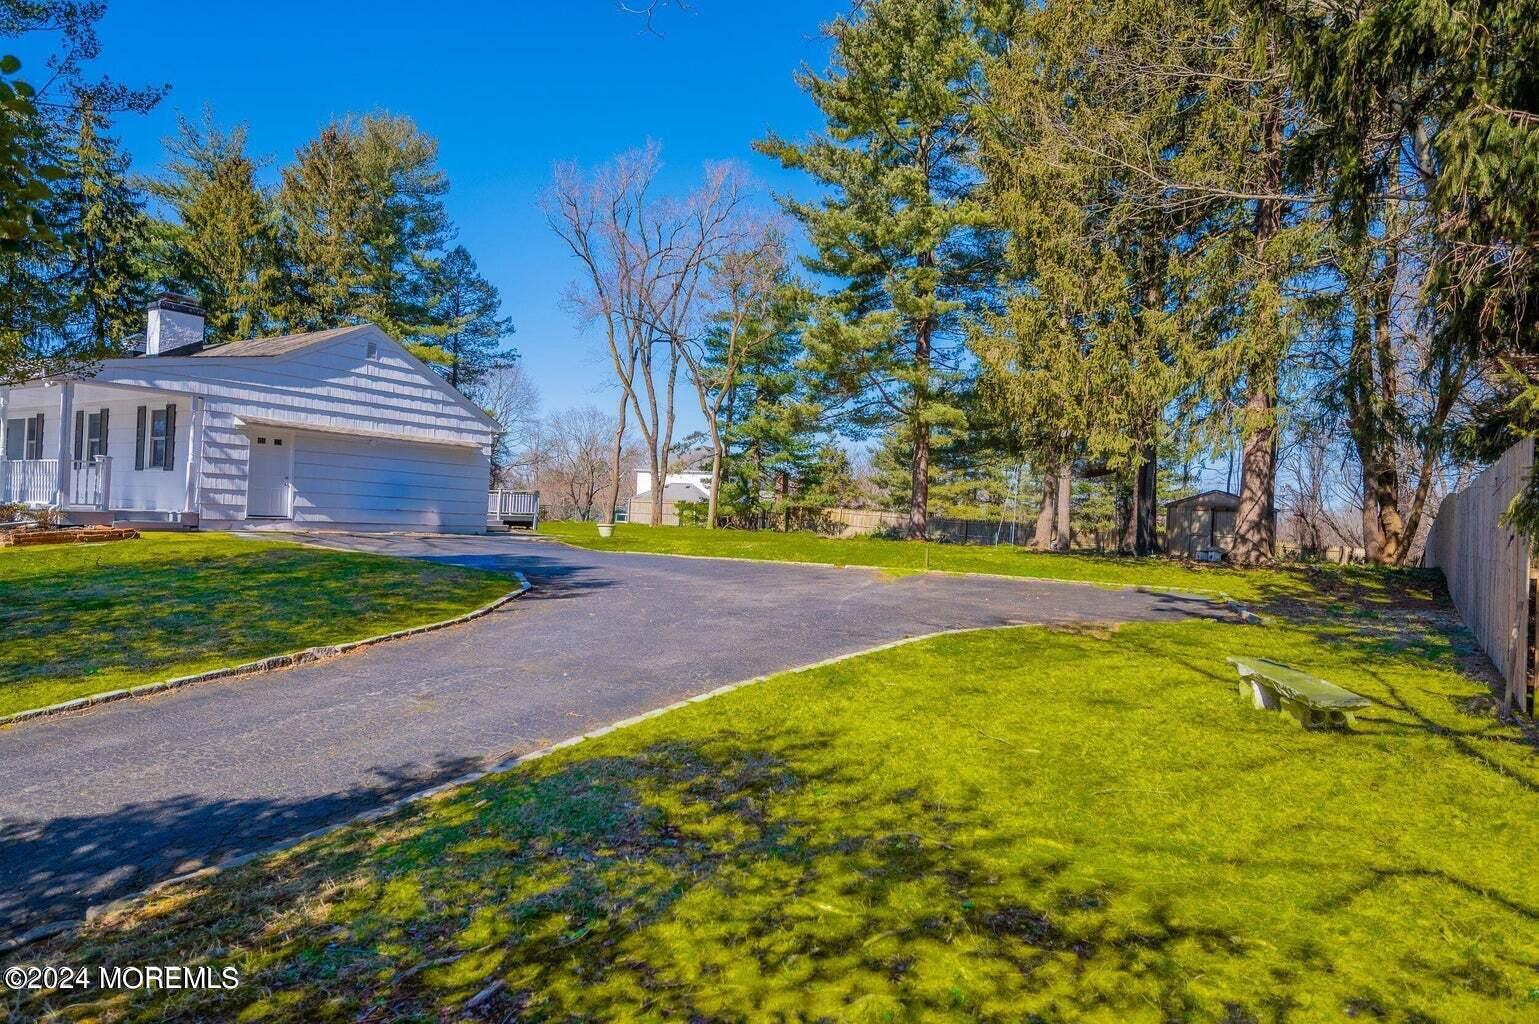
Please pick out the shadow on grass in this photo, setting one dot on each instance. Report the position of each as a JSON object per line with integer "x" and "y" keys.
{"x": 701, "y": 881}
{"x": 80, "y": 625}
{"x": 57, "y": 868}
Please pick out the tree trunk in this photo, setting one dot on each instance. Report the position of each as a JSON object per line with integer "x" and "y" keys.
{"x": 1062, "y": 537}
{"x": 1145, "y": 493}
{"x": 1046, "y": 538}
{"x": 1255, "y": 521}
{"x": 919, "y": 477}
{"x": 1127, "y": 516}
{"x": 659, "y": 474}
{"x": 1255, "y": 526}
{"x": 608, "y": 514}
{"x": 713, "y": 503}
{"x": 1373, "y": 530}
{"x": 712, "y": 507}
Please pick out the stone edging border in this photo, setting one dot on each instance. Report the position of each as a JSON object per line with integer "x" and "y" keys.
{"x": 497, "y": 767}
{"x": 268, "y": 664}
{"x": 1245, "y": 615}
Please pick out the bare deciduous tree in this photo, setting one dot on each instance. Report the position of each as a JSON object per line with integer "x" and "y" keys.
{"x": 509, "y": 396}
{"x": 741, "y": 287}
{"x": 644, "y": 259}
{"x": 577, "y": 465}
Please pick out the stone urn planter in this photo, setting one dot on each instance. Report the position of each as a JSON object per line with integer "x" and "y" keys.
{"x": 606, "y": 529}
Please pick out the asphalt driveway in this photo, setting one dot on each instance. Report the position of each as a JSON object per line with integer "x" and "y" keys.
{"x": 107, "y": 802}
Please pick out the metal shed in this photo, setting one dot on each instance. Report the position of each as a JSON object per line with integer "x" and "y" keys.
{"x": 1201, "y": 526}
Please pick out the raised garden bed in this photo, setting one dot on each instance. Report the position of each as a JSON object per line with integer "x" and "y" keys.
{"x": 82, "y": 535}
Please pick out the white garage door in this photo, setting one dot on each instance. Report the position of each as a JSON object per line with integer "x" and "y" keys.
{"x": 354, "y": 483}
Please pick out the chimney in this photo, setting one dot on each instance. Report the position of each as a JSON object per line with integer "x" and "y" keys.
{"x": 175, "y": 322}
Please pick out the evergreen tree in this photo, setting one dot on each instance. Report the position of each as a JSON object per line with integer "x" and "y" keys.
{"x": 28, "y": 241}
{"x": 403, "y": 225}
{"x": 1079, "y": 351}
{"x": 896, "y": 228}
{"x": 102, "y": 221}
{"x": 466, "y": 308}
{"x": 322, "y": 205}
{"x": 361, "y": 228}
{"x": 220, "y": 247}
{"x": 769, "y": 418}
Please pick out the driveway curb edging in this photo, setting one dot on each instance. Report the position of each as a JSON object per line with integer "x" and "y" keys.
{"x": 499, "y": 766}
{"x": 268, "y": 664}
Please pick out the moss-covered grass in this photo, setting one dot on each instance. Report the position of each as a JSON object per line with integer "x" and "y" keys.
{"x": 1356, "y": 585}
{"x": 83, "y": 619}
{"x": 1017, "y": 825}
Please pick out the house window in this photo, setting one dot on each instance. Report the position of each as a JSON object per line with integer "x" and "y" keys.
{"x": 32, "y": 433}
{"x": 159, "y": 439}
{"x": 15, "y": 440}
{"x": 96, "y": 435}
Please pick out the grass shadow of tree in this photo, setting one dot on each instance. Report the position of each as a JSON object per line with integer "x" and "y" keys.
{"x": 691, "y": 880}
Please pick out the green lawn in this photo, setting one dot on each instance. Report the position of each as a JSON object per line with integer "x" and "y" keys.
{"x": 1365, "y": 584}
{"x": 1017, "y": 825}
{"x": 83, "y": 619}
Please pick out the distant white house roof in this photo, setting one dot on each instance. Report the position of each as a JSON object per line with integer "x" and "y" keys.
{"x": 678, "y": 491}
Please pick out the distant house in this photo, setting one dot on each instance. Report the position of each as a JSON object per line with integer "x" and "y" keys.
{"x": 690, "y": 483}
{"x": 333, "y": 430}
{"x": 1201, "y": 526}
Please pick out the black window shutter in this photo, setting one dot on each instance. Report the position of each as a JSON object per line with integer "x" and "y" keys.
{"x": 170, "y": 437}
{"x": 39, "y": 446}
{"x": 139, "y": 443}
{"x": 79, "y": 434}
{"x": 103, "y": 435}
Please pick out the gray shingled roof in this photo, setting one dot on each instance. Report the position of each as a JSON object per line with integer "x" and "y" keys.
{"x": 275, "y": 346}
{"x": 677, "y": 492}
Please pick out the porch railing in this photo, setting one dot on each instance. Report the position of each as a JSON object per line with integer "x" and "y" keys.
{"x": 36, "y": 482}
{"x": 514, "y": 507}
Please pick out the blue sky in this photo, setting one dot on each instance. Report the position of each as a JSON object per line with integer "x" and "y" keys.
{"x": 507, "y": 88}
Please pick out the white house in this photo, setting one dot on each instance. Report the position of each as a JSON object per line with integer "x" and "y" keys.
{"x": 691, "y": 483}
{"x": 334, "y": 430}
{"x": 693, "y": 477}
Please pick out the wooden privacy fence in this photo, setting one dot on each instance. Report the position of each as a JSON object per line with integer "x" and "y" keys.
{"x": 1488, "y": 567}
{"x": 852, "y": 522}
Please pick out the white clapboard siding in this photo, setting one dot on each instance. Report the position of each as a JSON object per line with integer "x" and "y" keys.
{"x": 329, "y": 386}
{"x": 370, "y": 484}
{"x": 383, "y": 442}
{"x": 148, "y": 489}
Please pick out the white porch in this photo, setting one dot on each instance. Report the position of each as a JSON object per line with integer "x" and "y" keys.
{"x": 101, "y": 452}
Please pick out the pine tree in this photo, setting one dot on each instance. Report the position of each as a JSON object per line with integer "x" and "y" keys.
{"x": 361, "y": 229}
{"x": 466, "y": 308}
{"x": 404, "y": 225}
{"x": 1079, "y": 351}
{"x": 896, "y": 227}
{"x": 220, "y": 247}
{"x": 322, "y": 204}
{"x": 106, "y": 236}
{"x": 28, "y": 242}
{"x": 769, "y": 417}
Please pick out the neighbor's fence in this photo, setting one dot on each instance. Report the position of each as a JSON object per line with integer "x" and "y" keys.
{"x": 853, "y": 522}
{"x": 1488, "y": 566}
